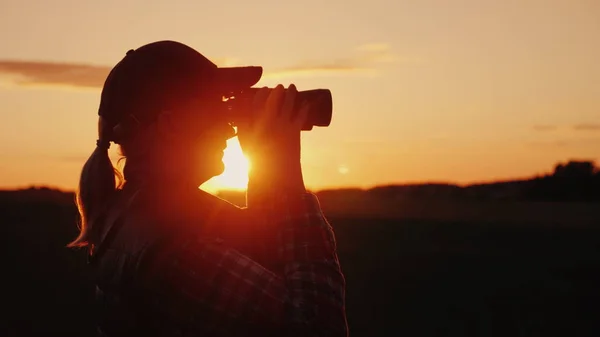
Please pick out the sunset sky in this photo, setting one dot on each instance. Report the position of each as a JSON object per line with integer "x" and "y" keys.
{"x": 429, "y": 90}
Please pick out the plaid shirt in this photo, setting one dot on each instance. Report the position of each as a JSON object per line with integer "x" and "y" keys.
{"x": 293, "y": 286}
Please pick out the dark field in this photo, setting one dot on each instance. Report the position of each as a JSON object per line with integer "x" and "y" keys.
{"x": 405, "y": 277}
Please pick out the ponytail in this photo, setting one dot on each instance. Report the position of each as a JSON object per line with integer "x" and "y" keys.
{"x": 98, "y": 184}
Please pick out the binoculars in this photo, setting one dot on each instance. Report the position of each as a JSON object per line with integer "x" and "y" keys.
{"x": 319, "y": 114}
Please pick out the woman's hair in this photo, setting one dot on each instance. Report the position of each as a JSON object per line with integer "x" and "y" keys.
{"x": 98, "y": 184}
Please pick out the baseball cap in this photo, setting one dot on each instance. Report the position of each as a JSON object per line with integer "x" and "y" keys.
{"x": 158, "y": 75}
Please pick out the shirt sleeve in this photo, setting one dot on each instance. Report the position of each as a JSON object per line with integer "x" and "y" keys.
{"x": 204, "y": 287}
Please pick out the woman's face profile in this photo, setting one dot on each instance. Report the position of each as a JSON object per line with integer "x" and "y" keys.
{"x": 195, "y": 136}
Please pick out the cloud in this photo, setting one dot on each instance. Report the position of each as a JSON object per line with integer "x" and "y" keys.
{"x": 550, "y": 144}
{"x": 381, "y": 53}
{"x": 36, "y": 73}
{"x": 576, "y": 127}
{"x": 340, "y": 67}
{"x": 573, "y": 143}
{"x": 73, "y": 75}
{"x": 544, "y": 127}
{"x": 365, "y": 60}
{"x": 586, "y": 127}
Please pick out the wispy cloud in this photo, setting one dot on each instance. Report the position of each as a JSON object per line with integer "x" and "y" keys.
{"x": 576, "y": 127}
{"x": 364, "y": 60}
{"x": 544, "y": 127}
{"x": 339, "y": 67}
{"x": 37, "y": 73}
{"x": 382, "y": 53}
{"x": 568, "y": 142}
{"x": 550, "y": 144}
{"x": 71, "y": 75}
{"x": 586, "y": 127}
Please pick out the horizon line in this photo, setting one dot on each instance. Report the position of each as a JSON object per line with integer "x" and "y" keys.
{"x": 313, "y": 190}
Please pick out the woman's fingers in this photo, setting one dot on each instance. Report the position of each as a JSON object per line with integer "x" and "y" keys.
{"x": 258, "y": 105}
{"x": 300, "y": 118}
{"x": 260, "y": 97}
{"x": 287, "y": 108}
{"x": 274, "y": 102}
{"x": 277, "y": 110}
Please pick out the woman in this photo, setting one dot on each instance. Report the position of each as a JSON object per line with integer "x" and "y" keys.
{"x": 171, "y": 260}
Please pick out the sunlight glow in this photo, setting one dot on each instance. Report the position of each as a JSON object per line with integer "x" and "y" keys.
{"x": 235, "y": 176}
{"x": 343, "y": 169}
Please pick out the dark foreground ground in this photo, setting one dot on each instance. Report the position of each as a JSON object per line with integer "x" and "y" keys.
{"x": 405, "y": 277}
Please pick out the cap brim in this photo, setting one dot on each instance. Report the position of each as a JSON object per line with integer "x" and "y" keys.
{"x": 238, "y": 78}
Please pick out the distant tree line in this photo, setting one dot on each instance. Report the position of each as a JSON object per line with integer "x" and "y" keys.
{"x": 576, "y": 181}
{"x": 572, "y": 181}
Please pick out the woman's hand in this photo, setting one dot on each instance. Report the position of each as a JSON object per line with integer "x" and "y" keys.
{"x": 274, "y": 130}
{"x": 271, "y": 139}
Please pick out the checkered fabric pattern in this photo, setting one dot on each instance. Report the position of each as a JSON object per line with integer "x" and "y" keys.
{"x": 202, "y": 287}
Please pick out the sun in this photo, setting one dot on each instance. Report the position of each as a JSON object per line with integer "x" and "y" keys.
{"x": 235, "y": 175}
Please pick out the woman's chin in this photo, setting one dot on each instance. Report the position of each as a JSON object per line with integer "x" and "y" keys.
{"x": 219, "y": 168}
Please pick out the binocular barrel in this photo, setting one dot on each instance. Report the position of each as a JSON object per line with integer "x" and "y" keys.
{"x": 319, "y": 114}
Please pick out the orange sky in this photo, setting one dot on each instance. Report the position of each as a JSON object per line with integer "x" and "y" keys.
{"x": 429, "y": 90}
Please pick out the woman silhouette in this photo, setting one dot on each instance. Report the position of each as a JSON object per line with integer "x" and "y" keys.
{"x": 171, "y": 260}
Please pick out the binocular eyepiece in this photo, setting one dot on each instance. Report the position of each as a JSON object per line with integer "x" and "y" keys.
{"x": 319, "y": 114}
